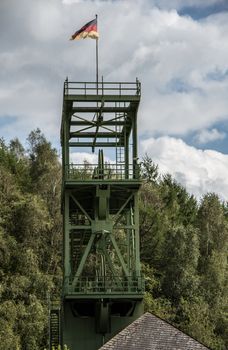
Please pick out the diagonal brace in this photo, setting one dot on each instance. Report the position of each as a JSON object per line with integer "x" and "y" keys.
{"x": 81, "y": 208}
{"x": 124, "y": 267}
{"x": 123, "y": 206}
{"x": 83, "y": 260}
{"x": 110, "y": 264}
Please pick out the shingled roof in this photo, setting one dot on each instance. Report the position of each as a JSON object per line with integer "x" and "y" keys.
{"x": 149, "y": 332}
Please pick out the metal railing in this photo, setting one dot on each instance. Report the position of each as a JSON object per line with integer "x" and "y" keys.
{"x": 105, "y": 285}
{"x": 102, "y": 88}
{"x": 85, "y": 172}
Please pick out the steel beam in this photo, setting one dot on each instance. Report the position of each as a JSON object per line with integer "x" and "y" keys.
{"x": 93, "y": 134}
{"x": 90, "y": 144}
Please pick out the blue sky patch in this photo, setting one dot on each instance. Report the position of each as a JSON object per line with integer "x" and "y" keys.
{"x": 180, "y": 86}
{"x": 220, "y": 145}
{"x": 7, "y": 120}
{"x": 217, "y": 75}
{"x": 199, "y": 12}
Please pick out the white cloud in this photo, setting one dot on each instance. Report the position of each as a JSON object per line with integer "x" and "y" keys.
{"x": 167, "y": 4}
{"x": 199, "y": 171}
{"x": 92, "y": 158}
{"x": 205, "y": 136}
{"x": 175, "y": 58}
{"x": 46, "y": 22}
{"x": 182, "y": 64}
{"x": 185, "y": 3}
{"x": 70, "y": 2}
{"x": 80, "y": 157}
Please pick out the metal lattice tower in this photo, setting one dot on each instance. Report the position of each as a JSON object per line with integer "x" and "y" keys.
{"x": 103, "y": 287}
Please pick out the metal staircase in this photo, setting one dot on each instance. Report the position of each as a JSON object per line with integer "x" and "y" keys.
{"x": 54, "y": 320}
{"x": 79, "y": 241}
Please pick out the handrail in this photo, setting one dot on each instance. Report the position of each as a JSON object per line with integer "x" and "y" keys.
{"x": 105, "y": 285}
{"x": 111, "y": 171}
{"x": 85, "y": 88}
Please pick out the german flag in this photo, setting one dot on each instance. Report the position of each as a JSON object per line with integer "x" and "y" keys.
{"x": 89, "y": 30}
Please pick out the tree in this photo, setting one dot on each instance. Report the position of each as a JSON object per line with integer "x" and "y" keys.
{"x": 30, "y": 235}
{"x": 180, "y": 261}
{"x": 213, "y": 226}
{"x": 149, "y": 170}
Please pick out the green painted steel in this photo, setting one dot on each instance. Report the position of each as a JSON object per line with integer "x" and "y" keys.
{"x": 103, "y": 287}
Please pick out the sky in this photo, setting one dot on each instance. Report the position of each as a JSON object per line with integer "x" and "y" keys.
{"x": 178, "y": 49}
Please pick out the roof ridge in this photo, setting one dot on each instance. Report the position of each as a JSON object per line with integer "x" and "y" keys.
{"x": 146, "y": 333}
{"x": 169, "y": 323}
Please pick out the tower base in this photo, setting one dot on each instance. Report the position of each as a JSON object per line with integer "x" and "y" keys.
{"x": 88, "y": 324}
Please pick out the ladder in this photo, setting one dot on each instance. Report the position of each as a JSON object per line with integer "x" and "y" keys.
{"x": 54, "y": 328}
{"x": 120, "y": 150}
{"x": 120, "y": 155}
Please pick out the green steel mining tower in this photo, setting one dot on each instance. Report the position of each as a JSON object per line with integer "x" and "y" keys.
{"x": 103, "y": 287}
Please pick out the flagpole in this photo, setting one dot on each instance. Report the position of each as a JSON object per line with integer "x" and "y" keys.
{"x": 97, "y": 59}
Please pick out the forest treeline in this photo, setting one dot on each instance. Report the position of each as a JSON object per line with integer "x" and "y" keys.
{"x": 184, "y": 246}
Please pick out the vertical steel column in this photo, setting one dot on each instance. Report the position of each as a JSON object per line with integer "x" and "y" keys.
{"x": 67, "y": 261}
{"x": 137, "y": 243}
{"x": 135, "y": 146}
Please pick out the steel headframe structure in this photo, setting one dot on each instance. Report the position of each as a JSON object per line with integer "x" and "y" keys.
{"x": 103, "y": 287}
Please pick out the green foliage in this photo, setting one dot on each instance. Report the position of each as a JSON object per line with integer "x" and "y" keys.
{"x": 180, "y": 261}
{"x": 59, "y": 348}
{"x": 149, "y": 170}
{"x": 197, "y": 319}
{"x": 30, "y": 236}
{"x": 184, "y": 247}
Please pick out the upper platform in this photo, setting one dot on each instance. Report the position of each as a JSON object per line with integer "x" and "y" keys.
{"x": 110, "y": 91}
{"x": 99, "y": 111}
{"x": 100, "y": 116}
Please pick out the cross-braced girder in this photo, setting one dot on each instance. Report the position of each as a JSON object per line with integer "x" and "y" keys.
{"x": 112, "y": 239}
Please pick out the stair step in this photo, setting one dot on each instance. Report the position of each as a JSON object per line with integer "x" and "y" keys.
{"x": 54, "y": 327}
